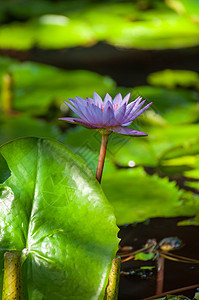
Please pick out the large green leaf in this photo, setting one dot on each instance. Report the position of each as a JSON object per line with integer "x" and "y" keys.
{"x": 54, "y": 211}
{"x": 137, "y": 196}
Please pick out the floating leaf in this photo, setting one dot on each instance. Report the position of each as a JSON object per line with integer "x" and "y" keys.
{"x": 168, "y": 31}
{"x": 190, "y": 222}
{"x": 127, "y": 25}
{"x": 15, "y": 127}
{"x": 37, "y": 86}
{"x": 175, "y": 106}
{"x": 192, "y": 177}
{"x": 137, "y": 196}
{"x": 54, "y": 211}
{"x": 144, "y": 256}
{"x": 66, "y": 32}
{"x": 152, "y": 151}
{"x": 121, "y": 150}
{"x": 172, "y": 78}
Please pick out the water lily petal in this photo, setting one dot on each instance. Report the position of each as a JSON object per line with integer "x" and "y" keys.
{"x": 90, "y": 100}
{"x": 132, "y": 104}
{"x": 119, "y": 113}
{"x": 114, "y": 115}
{"x": 87, "y": 108}
{"x": 97, "y": 99}
{"x": 78, "y": 113}
{"x": 108, "y": 115}
{"x": 134, "y": 110}
{"x": 81, "y": 107}
{"x": 96, "y": 113}
{"x": 141, "y": 111}
{"x": 107, "y": 98}
{"x": 80, "y": 122}
{"x": 126, "y": 131}
{"x": 117, "y": 99}
{"x": 126, "y": 99}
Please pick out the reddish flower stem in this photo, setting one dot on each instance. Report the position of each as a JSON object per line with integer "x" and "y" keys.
{"x": 102, "y": 155}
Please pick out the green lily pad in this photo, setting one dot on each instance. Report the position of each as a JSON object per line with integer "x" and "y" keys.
{"x": 21, "y": 126}
{"x": 177, "y": 106}
{"x": 37, "y": 86}
{"x": 144, "y": 256}
{"x": 172, "y": 78}
{"x": 176, "y": 147}
{"x": 137, "y": 196}
{"x": 121, "y": 150}
{"x": 84, "y": 23}
{"x": 65, "y": 32}
{"x": 172, "y": 137}
{"x": 154, "y": 150}
{"x": 55, "y": 212}
{"x": 168, "y": 31}
{"x": 190, "y": 222}
{"x": 193, "y": 176}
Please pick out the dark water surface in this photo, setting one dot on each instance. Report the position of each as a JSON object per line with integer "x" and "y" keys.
{"x": 177, "y": 274}
{"x": 128, "y": 67}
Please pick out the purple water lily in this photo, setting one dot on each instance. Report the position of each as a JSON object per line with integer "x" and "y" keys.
{"x": 108, "y": 115}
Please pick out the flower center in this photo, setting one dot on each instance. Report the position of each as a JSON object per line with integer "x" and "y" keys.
{"x": 115, "y": 106}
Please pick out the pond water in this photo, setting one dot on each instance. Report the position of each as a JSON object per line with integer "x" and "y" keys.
{"x": 177, "y": 274}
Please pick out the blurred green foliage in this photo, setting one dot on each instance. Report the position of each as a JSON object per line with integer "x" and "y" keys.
{"x": 37, "y": 86}
{"x": 139, "y": 24}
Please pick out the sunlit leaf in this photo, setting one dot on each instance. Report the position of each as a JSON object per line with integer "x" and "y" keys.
{"x": 144, "y": 256}
{"x": 128, "y": 25}
{"x": 66, "y": 32}
{"x": 137, "y": 196}
{"x": 54, "y": 211}
{"x": 172, "y": 78}
{"x": 190, "y": 222}
{"x": 168, "y": 31}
